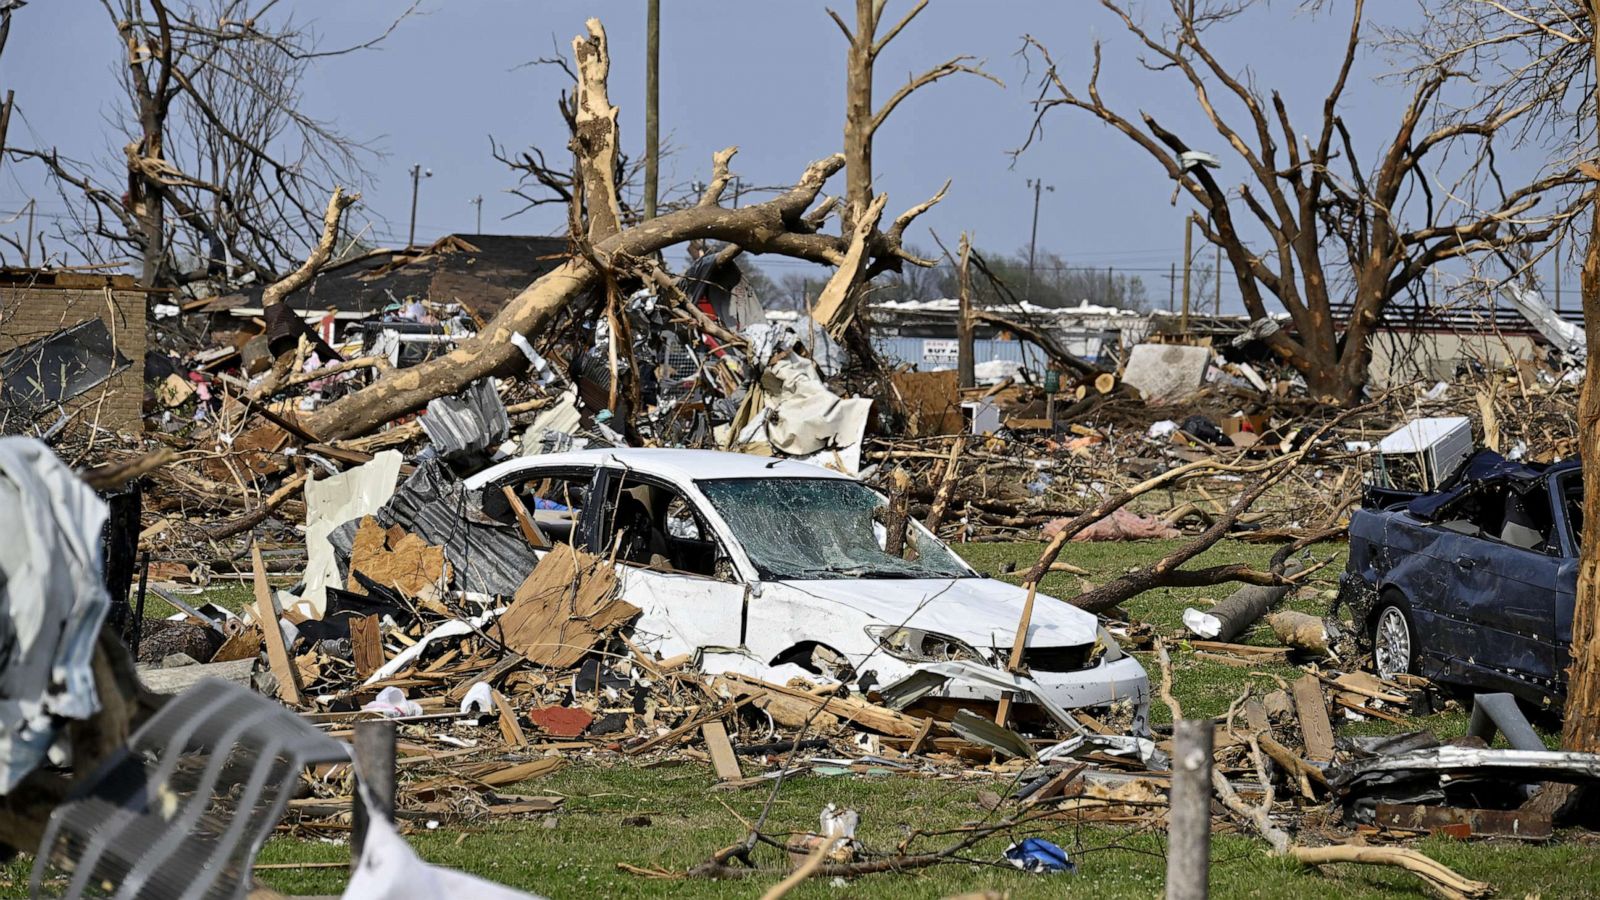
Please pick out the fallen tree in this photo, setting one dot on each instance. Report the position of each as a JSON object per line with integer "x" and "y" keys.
{"x": 606, "y": 254}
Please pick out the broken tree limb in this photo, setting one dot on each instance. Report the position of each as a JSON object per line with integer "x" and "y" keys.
{"x": 898, "y": 514}
{"x": 1440, "y": 877}
{"x": 299, "y": 278}
{"x": 1301, "y": 631}
{"x": 947, "y": 485}
{"x": 258, "y": 515}
{"x": 836, "y": 304}
{"x": 1241, "y": 609}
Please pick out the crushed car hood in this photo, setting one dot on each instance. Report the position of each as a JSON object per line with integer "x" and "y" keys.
{"x": 981, "y": 611}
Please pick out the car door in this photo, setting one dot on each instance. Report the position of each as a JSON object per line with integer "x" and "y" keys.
{"x": 683, "y": 610}
{"x": 1566, "y": 496}
{"x": 1506, "y": 601}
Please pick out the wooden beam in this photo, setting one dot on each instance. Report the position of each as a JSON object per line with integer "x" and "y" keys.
{"x": 723, "y": 759}
{"x": 1315, "y": 727}
{"x": 268, "y": 614}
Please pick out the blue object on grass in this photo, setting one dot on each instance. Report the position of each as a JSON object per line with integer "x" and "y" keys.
{"x": 1039, "y": 856}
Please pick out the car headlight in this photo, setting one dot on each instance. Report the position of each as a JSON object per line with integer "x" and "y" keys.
{"x": 916, "y": 645}
{"x": 1107, "y": 644}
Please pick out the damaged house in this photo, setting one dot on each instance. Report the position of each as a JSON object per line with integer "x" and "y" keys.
{"x": 72, "y": 346}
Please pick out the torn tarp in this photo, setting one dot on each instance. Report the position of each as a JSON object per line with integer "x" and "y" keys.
{"x": 52, "y": 601}
{"x": 801, "y": 418}
{"x": 472, "y": 421}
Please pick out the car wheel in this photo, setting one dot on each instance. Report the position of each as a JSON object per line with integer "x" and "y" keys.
{"x": 1393, "y": 639}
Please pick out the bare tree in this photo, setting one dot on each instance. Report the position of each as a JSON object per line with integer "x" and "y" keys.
{"x": 1334, "y": 224}
{"x": 863, "y": 118}
{"x": 221, "y": 164}
{"x": 608, "y": 252}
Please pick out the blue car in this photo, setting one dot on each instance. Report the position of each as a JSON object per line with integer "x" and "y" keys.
{"x": 1472, "y": 585}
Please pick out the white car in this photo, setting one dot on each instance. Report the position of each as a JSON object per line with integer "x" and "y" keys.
{"x": 776, "y": 568}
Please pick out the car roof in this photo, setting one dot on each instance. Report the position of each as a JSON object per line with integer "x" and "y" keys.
{"x": 672, "y": 464}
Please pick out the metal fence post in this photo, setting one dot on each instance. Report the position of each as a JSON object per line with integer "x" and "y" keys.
{"x": 1189, "y": 818}
{"x": 374, "y": 757}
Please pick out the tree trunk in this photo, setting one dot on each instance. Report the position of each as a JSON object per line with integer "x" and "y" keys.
{"x": 1582, "y": 727}
{"x": 858, "y": 116}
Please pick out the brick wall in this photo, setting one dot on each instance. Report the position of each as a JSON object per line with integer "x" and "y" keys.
{"x": 37, "y": 305}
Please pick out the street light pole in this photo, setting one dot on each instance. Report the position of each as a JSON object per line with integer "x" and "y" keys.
{"x": 478, "y": 202}
{"x": 1033, "y": 240}
{"x": 417, "y": 174}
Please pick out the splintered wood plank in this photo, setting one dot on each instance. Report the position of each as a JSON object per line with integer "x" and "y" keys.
{"x": 1315, "y": 727}
{"x": 510, "y": 728}
{"x": 530, "y": 529}
{"x": 366, "y": 644}
{"x": 266, "y": 612}
{"x": 559, "y": 613}
{"x": 723, "y": 759}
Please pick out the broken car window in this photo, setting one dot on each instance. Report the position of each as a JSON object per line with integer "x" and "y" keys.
{"x": 1502, "y": 512}
{"x": 797, "y": 528}
{"x": 653, "y": 525}
{"x": 555, "y": 502}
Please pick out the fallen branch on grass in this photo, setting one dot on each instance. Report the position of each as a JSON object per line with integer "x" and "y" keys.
{"x": 1441, "y": 878}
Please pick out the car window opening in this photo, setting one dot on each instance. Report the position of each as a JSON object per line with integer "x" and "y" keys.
{"x": 555, "y": 502}
{"x": 1501, "y": 513}
{"x": 658, "y": 528}
{"x": 822, "y": 528}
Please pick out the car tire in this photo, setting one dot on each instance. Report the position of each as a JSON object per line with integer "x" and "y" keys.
{"x": 1394, "y": 637}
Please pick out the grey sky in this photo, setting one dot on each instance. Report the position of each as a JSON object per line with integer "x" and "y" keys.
{"x": 766, "y": 76}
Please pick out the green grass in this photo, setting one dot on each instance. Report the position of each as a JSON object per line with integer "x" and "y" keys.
{"x": 575, "y": 852}
{"x": 577, "y": 856}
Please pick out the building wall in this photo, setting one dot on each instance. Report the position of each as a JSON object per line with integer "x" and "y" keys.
{"x": 1400, "y": 357}
{"x": 33, "y": 308}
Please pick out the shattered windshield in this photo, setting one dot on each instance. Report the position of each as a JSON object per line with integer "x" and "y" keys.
{"x": 799, "y": 528}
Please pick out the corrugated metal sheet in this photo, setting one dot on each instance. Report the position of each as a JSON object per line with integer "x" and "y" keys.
{"x": 472, "y": 420}
{"x": 487, "y": 556}
{"x": 929, "y": 353}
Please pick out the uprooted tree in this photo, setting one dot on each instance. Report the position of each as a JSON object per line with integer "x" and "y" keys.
{"x": 1343, "y": 238}
{"x": 607, "y": 254}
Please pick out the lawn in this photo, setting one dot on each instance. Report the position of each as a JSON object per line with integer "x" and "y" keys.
{"x": 667, "y": 817}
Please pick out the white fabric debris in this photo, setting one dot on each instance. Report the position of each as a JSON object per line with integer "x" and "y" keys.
{"x": 53, "y": 598}
{"x": 479, "y": 699}
{"x": 1201, "y": 624}
{"x": 805, "y": 420}
{"x": 391, "y": 701}
{"x": 452, "y": 628}
{"x": 331, "y": 502}
{"x": 391, "y": 870}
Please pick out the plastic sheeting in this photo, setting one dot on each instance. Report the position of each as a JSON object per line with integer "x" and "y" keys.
{"x": 804, "y": 419}
{"x": 330, "y": 503}
{"x": 52, "y": 602}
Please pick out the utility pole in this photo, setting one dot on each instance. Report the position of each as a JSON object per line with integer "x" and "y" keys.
{"x": 965, "y": 364}
{"x": 652, "y": 105}
{"x": 1172, "y": 287}
{"x": 1216, "y": 300}
{"x": 1033, "y": 240}
{"x": 478, "y": 202}
{"x": 1558, "y": 275}
{"x": 27, "y": 249}
{"x": 1188, "y": 264}
{"x": 417, "y": 174}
